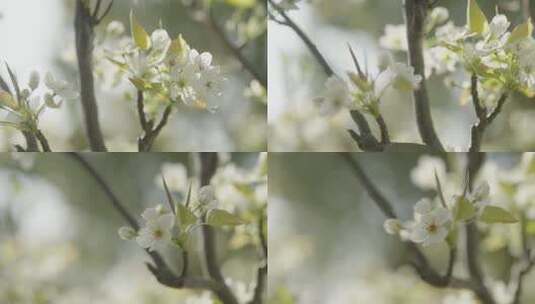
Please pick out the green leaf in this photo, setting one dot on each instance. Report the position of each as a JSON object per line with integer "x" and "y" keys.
{"x": 121, "y": 65}
{"x": 140, "y": 36}
{"x": 219, "y": 218}
{"x": 170, "y": 199}
{"x": 452, "y": 237}
{"x": 439, "y": 190}
{"x": 493, "y": 214}
{"x": 520, "y": 32}
{"x": 475, "y": 18}
{"x": 185, "y": 217}
{"x": 140, "y": 84}
{"x": 241, "y": 3}
{"x": 464, "y": 210}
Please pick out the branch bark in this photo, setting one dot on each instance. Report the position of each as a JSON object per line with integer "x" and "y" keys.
{"x": 146, "y": 141}
{"x": 415, "y": 14}
{"x": 84, "y": 25}
{"x": 209, "y": 163}
{"x": 484, "y": 119}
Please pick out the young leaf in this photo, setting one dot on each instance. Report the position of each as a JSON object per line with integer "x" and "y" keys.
{"x": 493, "y": 214}
{"x": 464, "y": 210}
{"x": 185, "y": 217}
{"x": 475, "y": 18}
{"x": 219, "y": 218}
{"x": 452, "y": 237}
{"x": 439, "y": 190}
{"x": 170, "y": 199}
{"x": 520, "y": 32}
{"x": 140, "y": 36}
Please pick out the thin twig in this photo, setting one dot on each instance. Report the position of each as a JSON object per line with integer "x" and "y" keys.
{"x": 31, "y": 142}
{"x": 261, "y": 274}
{"x": 209, "y": 163}
{"x": 385, "y": 137}
{"x": 484, "y": 119}
{"x": 44, "y": 142}
{"x": 84, "y": 28}
{"x": 311, "y": 46}
{"x": 415, "y": 14}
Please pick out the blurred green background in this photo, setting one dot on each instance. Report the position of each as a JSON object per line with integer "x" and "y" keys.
{"x": 39, "y": 35}
{"x": 327, "y": 243}
{"x": 58, "y": 231}
{"x": 295, "y": 79}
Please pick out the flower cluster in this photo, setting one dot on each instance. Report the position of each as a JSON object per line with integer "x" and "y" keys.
{"x": 435, "y": 220}
{"x": 24, "y": 106}
{"x": 499, "y": 56}
{"x": 364, "y": 93}
{"x": 169, "y": 70}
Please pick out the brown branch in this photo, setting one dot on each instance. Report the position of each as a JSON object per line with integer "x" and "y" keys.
{"x": 262, "y": 271}
{"x": 44, "y": 142}
{"x": 84, "y": 28}
{"x": 415, "y": 14}
{"x": 146, "y": 141}
{"x": 484, "y": 119}
{"x": 385, "y": 137}
{"x": 31, "y": 142}
{"x": 209, "y": 162}
{"x": 311, "y": 46}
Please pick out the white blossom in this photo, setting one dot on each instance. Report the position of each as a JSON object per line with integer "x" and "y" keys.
{"x": 395, "y": 37}
{"x": 157, "y": 229}
{"x": 432, "y": 227}
{"x": 336, "y": 96}
{"x": 127, "y": 233}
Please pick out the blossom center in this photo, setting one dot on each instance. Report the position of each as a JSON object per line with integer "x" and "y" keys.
{"x": 432, "y": 228}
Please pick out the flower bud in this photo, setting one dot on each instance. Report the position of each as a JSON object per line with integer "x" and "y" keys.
{"x": 34, "y": 80}
{"x": 127, "y": 233}
{"x": 392, "y": 226}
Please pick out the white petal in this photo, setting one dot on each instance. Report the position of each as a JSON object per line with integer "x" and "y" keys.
{"x": 423, "y": 206}
{"x": 166, "y": 221}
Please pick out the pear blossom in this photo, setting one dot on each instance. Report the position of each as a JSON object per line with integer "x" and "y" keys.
{"x": 395, "y": 37}
{"x": 157, "y": 229}
{"x": 432, "y": 227}
{"x": 127, "y": 233}
{"x": 392, "y": 226}
{"x": 336, "y": 96}
{"x": 60, "y": 88}
{"x": 206, "y": 195}
{"x": 404, "y": 78}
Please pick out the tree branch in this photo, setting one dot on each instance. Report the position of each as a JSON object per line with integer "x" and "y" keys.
{"x": 262, "y": 271}
{"x": 44, "y": 142}
{"x": 209, "y": 163}
{"x": 484, "y": 119}
{"x": 311, "y": 46}
{"x": 84, "y": 28}
{"x": 415, "y": 14}
{"x": 146, "y": 141}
